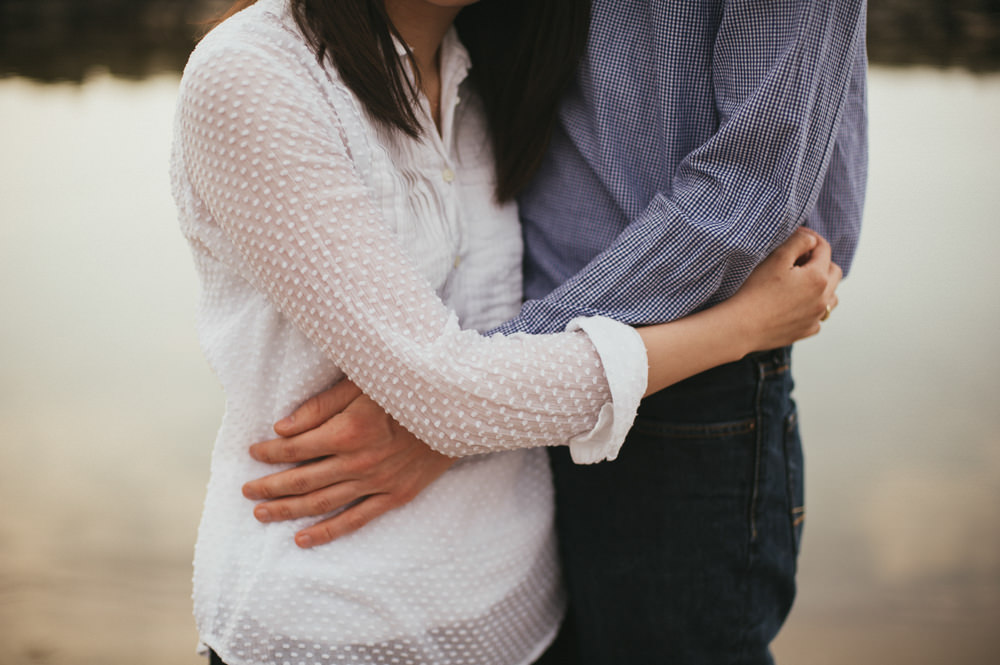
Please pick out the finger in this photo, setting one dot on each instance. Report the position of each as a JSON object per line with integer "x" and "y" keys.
{"x": 346, "y": 522}
{"x": 834, "y": 275}
{"x": 300, "y": 480}
{"x": 318, "y": 409}
{"x": 820, "y": 254}
{"x": 328, "y": 439}
{"x": 800, "y": 243}
{"x": 837, "y": 273}
{"x": 315, "y": 504}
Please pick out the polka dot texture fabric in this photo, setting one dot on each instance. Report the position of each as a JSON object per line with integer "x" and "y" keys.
{"x": 325, "y": 246}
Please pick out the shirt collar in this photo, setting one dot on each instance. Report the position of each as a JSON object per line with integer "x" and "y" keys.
{"x": 455, "y": 60}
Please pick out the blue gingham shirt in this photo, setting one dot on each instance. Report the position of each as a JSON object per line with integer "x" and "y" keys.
{"x": 697, "y": 136}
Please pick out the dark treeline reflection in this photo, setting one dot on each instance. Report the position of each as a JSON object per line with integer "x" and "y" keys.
{"x": 943, "y": 33}
{"x": 59, "y": 40}
{"x": 67, "y": 40}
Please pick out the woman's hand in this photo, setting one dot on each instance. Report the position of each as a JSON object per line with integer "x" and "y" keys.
{"x": 782, "y": 301}
{"x": 789, "y": 293}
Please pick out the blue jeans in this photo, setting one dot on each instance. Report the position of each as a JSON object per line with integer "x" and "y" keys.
{"x": 683, "y": 551}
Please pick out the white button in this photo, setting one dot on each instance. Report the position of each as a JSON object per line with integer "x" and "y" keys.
{"x": 448, "y": 175}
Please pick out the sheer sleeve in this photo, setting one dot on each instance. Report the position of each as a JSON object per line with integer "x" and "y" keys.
{"x": 264, "y": 150}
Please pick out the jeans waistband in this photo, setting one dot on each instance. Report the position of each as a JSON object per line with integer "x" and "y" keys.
{"x": 724, "y": 392}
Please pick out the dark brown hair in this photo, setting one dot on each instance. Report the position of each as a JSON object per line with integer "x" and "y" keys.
{"x": 523, "y": 52}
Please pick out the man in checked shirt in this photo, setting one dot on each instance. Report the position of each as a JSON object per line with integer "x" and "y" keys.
{"x": 696, "y": 137}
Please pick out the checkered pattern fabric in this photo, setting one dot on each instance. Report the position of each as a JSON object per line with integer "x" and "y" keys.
{"x": 696, "y": 137}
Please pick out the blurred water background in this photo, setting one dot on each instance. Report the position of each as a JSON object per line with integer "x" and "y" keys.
{"x": 107, "y": 411}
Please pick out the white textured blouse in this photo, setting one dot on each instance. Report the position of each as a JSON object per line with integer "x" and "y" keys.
{"x": 327, "y": 245}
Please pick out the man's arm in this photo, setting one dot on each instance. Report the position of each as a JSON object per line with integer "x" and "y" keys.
{"x": 789, "y": 83}
{"x": 357, "y": 463}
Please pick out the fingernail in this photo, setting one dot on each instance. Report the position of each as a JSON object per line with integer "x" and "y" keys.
{"x": 287, "y": 421}
{"x": 262, "y": 514}
{"x": 303, "y": 540}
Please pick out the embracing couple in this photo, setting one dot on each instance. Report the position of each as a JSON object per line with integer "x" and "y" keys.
{"x": 593, "y": 459}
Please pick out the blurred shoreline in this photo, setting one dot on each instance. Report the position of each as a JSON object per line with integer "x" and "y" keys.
{"x": 73, "y": 40}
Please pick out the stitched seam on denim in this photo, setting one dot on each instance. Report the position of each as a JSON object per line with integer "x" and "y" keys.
{"x": 774, "y": 371}
{"x": 752, "y": 510}
{"x": 693, "y": 431}
{"x": 755, "y": 491}
{"x": 797, "y": 514}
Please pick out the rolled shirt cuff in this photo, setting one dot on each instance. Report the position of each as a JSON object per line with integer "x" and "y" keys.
{"x": 626, "y": 367}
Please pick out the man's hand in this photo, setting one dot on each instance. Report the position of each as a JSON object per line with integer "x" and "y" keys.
{"x": 352, "y": 450}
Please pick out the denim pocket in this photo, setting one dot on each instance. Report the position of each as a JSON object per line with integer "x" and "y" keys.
{"x": 794, "y": 470}
{"x": 711, "y": 462}
{"x": 708, "y": 431}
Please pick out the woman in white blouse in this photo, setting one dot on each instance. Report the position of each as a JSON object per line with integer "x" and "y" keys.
{"x": 337, "y": 184}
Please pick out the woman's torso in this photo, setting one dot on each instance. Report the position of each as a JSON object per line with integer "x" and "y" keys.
{"x": 466, "y": 570}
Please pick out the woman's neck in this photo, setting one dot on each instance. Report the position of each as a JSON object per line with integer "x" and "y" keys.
{"x": 423, "y": 25}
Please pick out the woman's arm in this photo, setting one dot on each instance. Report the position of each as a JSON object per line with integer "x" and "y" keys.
{"x": 347, "y": 448}
{"x": 264, "y": 150}
{"x": 782, "y": 301}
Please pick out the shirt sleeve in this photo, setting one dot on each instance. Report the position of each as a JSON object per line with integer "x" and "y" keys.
{"x": 785, "y": 76}
{"x": 264, "y": 151}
